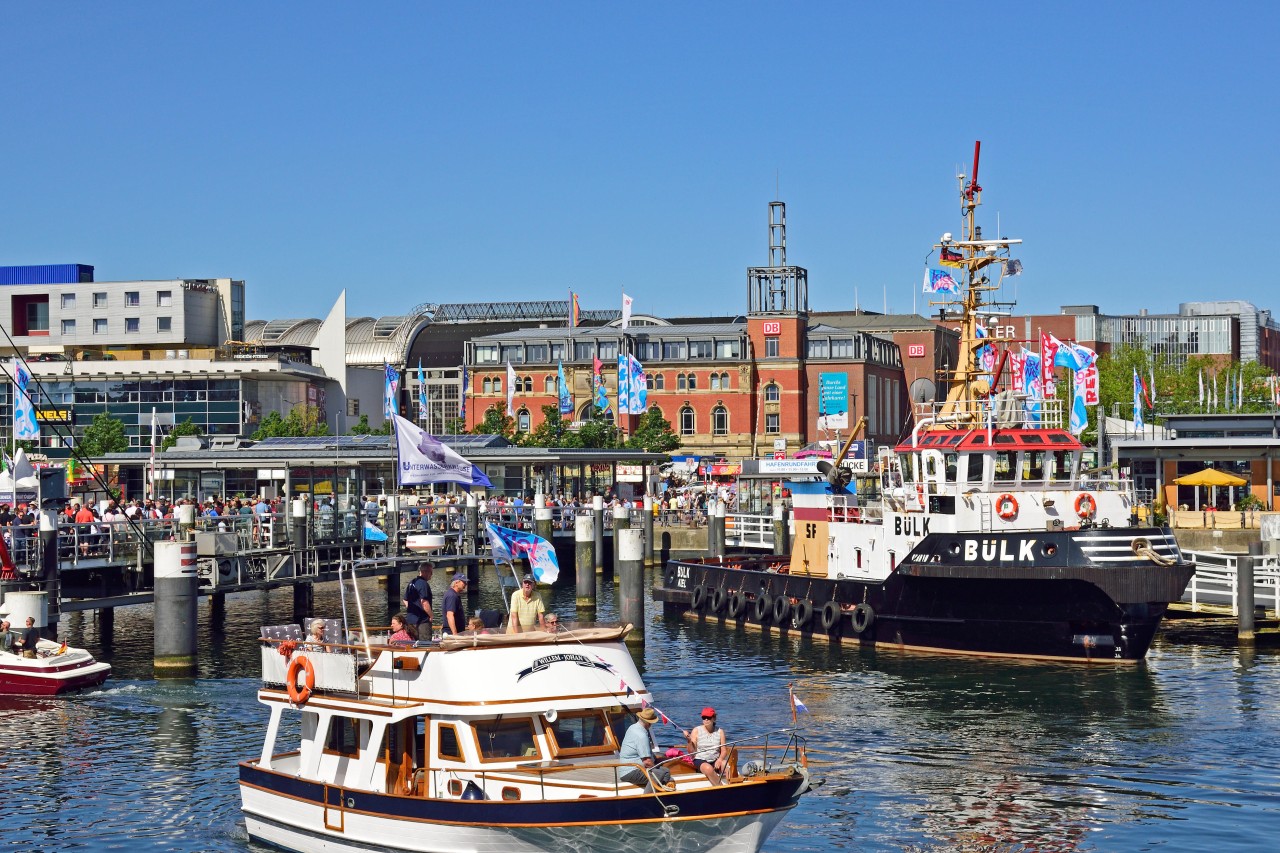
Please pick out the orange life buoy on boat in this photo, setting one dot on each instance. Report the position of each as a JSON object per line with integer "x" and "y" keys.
{"x": 1086, "y": 506}
{"x": 300, "y": 695}
{"x": 1007, "y": 507}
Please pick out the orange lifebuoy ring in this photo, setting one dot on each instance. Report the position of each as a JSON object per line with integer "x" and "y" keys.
{"x": 1086, "y": 506}
{"x": 300, "y": 695}
{"x": 1007, "y": 507}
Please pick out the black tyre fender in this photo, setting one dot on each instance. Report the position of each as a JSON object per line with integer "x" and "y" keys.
{"x": 763, "y": 607}
{"x": 717, "y": 600}
{"x": 699, "y": 597}
{"x": 830, "y": 615}
{"x": 781, "y": 609}
{"x": 863, "y": 617}
{"x": 737, "y": 604}
{"x": 803, "y": 613}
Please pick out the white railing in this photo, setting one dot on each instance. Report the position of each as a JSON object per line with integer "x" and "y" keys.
{"x": 749, "y": 531}
{"x": 1215, "y": 580}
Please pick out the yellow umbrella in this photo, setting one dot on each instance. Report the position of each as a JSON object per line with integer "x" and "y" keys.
{"x": 1211, "y": 477}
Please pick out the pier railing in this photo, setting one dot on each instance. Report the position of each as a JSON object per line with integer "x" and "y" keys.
{"x": 1215, "y": 580}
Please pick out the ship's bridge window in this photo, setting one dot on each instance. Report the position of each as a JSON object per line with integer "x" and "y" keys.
{"x": 581, "y": 734}
{"x": 1059, "y": 438}
{"x": 344, "y": 736}
{"x": 1005, "y": 465}
{"x": 1059, "y": 465}
{"x": 1031, "y": 438}
{"x": 1005, "y": 439}
{"x": 1033, "y": 466}
{"x": 973, "y": 468}
{"x": 501, "y": 740}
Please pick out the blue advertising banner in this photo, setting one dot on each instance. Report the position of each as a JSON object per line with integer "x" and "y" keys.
{"x": 833, "y": 401}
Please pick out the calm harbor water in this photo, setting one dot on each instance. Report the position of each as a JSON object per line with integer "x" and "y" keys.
{"x": 918, "y": 753}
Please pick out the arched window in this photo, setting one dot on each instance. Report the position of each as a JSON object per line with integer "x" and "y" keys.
{"x": 528, "y": 384}
{"x": 522, "y": 420}
{"x": 497, "y": 384}
{"x": 719, "y": 421}
{"x": 549, "y": 385}
{"x": 772, "y": 393}
{"x": 487, "y": 386}
{"x": 724, "y": 381}
{"x": 659, "y": 382}
{"x": 693, "y": 382}
{"x": 687, "y": 422}
{"x": 715, "y": 382}
{"x": 681, "y": 382}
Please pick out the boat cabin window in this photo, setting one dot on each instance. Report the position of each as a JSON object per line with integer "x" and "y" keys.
{"x": 1059, "y": 462}
{"x": 502, "y": 740}
{"x": 1005, "y": 466}
{"x": 1031, "y": 438}
{"x": 973, "y": 469}
{"x": 619, "y": 720}
{"x": 581, "y": 734}
{"x": 1033, "y": 466}
{"x": 447, "y": 745}
{"x": 1059, "y": 438}
{"x": 344, "y": 736}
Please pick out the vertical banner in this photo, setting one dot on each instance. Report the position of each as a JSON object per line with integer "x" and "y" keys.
{"x": 637, "y": 387}
{"x": 624, "y": 386}
{"x": 390, "y": 403}
{"x": 626, "y": 311}
{"x": 462, "y": 397}
{"x": 25, "y": 427}
{"x": 562, "y": 387}
{"x": 422, "y": 394}
{"x": 833, "y": 401}
{"x": 511, "y": 391}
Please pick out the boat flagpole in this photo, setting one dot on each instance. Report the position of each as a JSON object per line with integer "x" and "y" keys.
{"x": 791, "y": 700}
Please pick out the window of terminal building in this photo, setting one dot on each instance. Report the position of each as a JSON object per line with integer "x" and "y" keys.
{"x": 513, "y": 354}
{"x": 132, "y": 325}
{"x": 164, "y": 324}
{"x": 549, "y": 385}
{"x": 692, "y": 382}
{"x": 486, "y": 387}
{"x": 682, "y": 384}
{"x": 68, "y": 301}
{"x": 724, "y": 381}
{"x": 164, "y": 298}
{"x": 770, "y": 347}
{"x": 486, "y": 354}
{"x": 99, "y": 300}
{"x": 68, "y": 327}
{"x": 687, "y": 421}
{"x": 818, "y": 348}
{"x": 522, "y": 420}
{"x": 649, "y": 350}
{"x": 700, "y": 349}
{"x": 538, "y": 353}
{"x": 132, "y": 299}
{"x": 557, "y": 352}
{"x": 728, "y": 349}
{"x": 584, "y": 350}
{"x": 528, "y": 385}
{"x": 100, "y": 326}
{"x": 497, "y": 385}
{"x": 719, "y": 421}
{"x": 772, "y": 393}
{"x": 655, "y": 382}
{"x": 608, "y": 350}
{"x": 674, "y": 350}
{"x": 772, "y": 423}
{"x": 715, "y": 382}
{"x": 842, "y": 348}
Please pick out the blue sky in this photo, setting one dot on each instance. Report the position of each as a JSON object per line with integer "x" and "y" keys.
{"x": 424, "y": 152}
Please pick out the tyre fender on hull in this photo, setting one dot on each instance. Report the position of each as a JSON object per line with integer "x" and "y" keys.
{"x": 781, "y": 609}
{"x": 699, "y": 597}
{"x": 737, "y": 603}
{"x": 763, "y": 607}
{"x": 717, "y": 600}
{"x": 830, "y": 615}
{"x": 803, "y": 613}
{"x": 863, "y": 617}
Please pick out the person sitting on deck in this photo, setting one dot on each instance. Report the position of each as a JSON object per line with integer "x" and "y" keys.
{"x": 551, "y": 622}
{"x": 707, "y": 745}
{"x": 476, "y": 626}
{"x": 315, "y": 641}
{"x": 402, "y": 633}
{"x": 637, "y": 749}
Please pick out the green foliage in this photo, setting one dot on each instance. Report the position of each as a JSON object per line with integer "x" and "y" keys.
{"x": 184, "y": 428}
{"x": 1250, "y": 503}
{"x": 301, "y": 420}
{"x": 496, "y": 422}
{"x": 598, "y": 433}
{"x": 105, "y": 435}
{"x": 552, "y": 432}
{"x": 362, "y": 427}
{"x": 653, "y": 433}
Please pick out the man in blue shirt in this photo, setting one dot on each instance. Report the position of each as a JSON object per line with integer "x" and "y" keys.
{"x": 418, "y": 600}
{"x": 637, "y": 748}
{"x": 455, "y": 613}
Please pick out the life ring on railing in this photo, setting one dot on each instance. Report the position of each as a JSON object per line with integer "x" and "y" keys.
{"x": 863, "y": 617}
{"x": 830, "y": 615}
{"x": 781, "y": 609}
{"x": 737, "y": 603}
{"x": 300, "y": 695}
{"x": 717, "y": 600}
{"x": 804, "y": 612}
{"x": 699, "y": 596}
{"x": 1086, "y": 506}
{"x": 1007, "y": 507}
{"x": 763, "y": 606}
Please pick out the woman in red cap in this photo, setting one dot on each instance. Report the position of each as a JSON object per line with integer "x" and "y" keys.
{"x": 707, "y": 745}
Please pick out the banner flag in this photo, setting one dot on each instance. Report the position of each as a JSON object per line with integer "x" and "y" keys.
{"x": 562, "y": 387}
{"x": 1048, "y": 355}
{"x": 626, "y": 311}
{"x": 1138, "y": 422}
{"x": 1031, "y": 384}
{"x": 507, "y": 545}
{"x": 462, "y": 399}
{"x": 601, "y": 393}
{"x": 421, "y": 458}
{"x": 390, "y": 394}
{"x": 25, "y": 427}
{"x": 637, "y": 387}
{"x": 422, "y": 394}
{"x": 575, "y": 313}
{"x": 940, "y": 281}
{"x": 624, "y": 386}
{"x": 511, "y": 391}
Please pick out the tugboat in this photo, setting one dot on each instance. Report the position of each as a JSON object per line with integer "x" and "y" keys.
{"x": 487, "y": 742}
{"x": 987, "y": 538}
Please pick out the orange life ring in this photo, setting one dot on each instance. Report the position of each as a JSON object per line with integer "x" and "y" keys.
{"x": 1007, "y": 507}
{"x": 1086, "y": 506}
{"x": 300, "y": 695}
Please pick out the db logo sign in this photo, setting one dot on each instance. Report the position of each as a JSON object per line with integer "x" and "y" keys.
{"x": 774, "y": 328}
{"x": 915, "y": 350}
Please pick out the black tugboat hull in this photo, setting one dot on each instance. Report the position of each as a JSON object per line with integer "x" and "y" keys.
{"x": 1061, "y": 604}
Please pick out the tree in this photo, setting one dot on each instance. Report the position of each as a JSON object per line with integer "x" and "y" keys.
{"x": 553, "y": 431}
{"x": 653, "y": 433}
{"x": 496, "y": 422}
{"x": 598, "y": 433}
{"x": 105, "y": 435}
{"x": 362, "y": 427}
{"x": 184, "y": 428}
{"x": 301, "y": 420}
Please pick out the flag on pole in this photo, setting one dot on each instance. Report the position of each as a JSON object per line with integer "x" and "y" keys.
{"x": 575, "y": 313}
{"x": 511, "y": 390}
{"x": 1048, "y": 356}
{"x": 507, "y": 545}
{"x": 422, "y": 394}
{"x": 391, "y": 390}
{"x": 637, "y": 387}
{"x": 562, "y": 387}
{"x": 626, "y": 311}
{"x": 155, "y": 428}
{"x": 1202, "y": 388}
{"x": 421, "y": 458}
{"x": 601, "y": 393}
{"x": 1151, "y": 387}
{"x": 1240, "y": 389}
{"x": 25, "y": 427}
{"x": 1138, "y": 422}
{"x": 624, "y": 385}
{"x": 462, "y": 396}
{"x": 940, "y": 281}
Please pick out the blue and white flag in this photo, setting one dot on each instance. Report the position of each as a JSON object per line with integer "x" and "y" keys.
{"x": 374, "y": 533}
{"x": 1031, "y": 385}
{"x": 422, "y": 394}
{"x": 1074, "y": 356}
{"x": 462, "y": 399}
{"x": 25, "y": 427}
{"x": 940, "y": 281}
{"x": 1138, "y": 422}
{"x": 562, "y": 389}
{"x": 624, "y": 386}
{"x": 799, "y": 705}
{"x": 507, "y": 546}
{"x": 390, "y": 394}
{"x": 985, "y": 355}
{"x": 637, "y": 387}
{"x": 421, "y": 458}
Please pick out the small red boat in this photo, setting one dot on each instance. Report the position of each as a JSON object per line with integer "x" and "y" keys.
{"x": 56, "y": 668}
